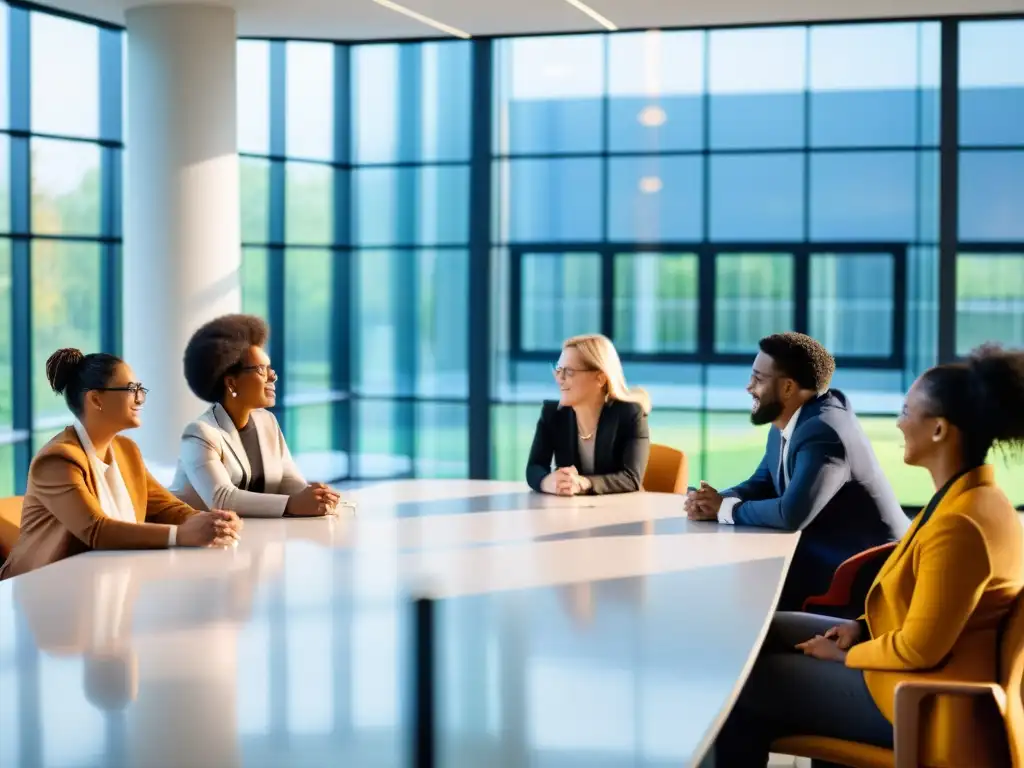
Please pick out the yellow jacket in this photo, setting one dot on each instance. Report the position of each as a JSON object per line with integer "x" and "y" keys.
{"x": 934, "y": 610}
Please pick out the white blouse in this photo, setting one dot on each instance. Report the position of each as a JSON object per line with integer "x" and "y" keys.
{"x": 114, "y": 498}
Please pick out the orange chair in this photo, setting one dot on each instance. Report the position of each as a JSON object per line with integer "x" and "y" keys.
{"x": 997, "y": 725}
{"x": 850, "y": 584}
{"x": 666, "y": 470}
{"x": 10, "y": 524}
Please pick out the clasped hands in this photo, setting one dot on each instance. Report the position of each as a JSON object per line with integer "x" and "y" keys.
{"x": 565, "y": 481}
{"x": 703, "y": 503}
{"x": 223, "y": 528}
{"x": 216, "y": 528}
{"x": 833, "y": 645}
{"x": 315, "y": 500}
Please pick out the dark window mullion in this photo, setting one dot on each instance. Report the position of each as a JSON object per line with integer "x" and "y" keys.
{"x": 949, "y": 172}
{"x": 706, "y": 265}
{"x": 19, "y": 111}
{"x": 276, "y": 225}
{"x": 607, "y": 287}
{"x": 405, "y": 263}
{"x": 900, "y": 297}
{"x": 801, "y": 288}
{"x": 343, "y": 349}
{"x": 111, "y": 117}
{"x": 479, "y": 319}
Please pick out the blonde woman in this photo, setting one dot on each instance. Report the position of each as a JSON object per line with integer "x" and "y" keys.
{"x": 596, "y": 433}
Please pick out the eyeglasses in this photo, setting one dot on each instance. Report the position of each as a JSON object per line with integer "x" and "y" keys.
{"x": 568, "y": 373}
{"x": 263, "y": 370}
{"x": 138, "y": 391}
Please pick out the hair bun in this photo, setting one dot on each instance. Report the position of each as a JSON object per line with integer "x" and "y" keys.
{"x": 996, "y": 385}
{"x": 61, "y": 368}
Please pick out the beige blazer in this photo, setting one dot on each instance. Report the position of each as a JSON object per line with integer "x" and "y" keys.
{"x": 62, "y": 515}
{"x": 212, "y": 462}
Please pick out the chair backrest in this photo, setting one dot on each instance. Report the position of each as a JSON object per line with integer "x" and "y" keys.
{"x": 666, "y": 470}
{"x": 10, "y": 523}
{"x": 1011, "y": 672}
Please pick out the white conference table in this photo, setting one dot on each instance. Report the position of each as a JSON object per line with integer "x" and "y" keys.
{"x": 591, "y": 631}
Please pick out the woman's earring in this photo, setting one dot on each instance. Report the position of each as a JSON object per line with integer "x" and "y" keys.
{"x": 233, "y": 393}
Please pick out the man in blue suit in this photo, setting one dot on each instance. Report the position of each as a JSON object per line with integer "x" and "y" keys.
{"x": 819, "y": 474}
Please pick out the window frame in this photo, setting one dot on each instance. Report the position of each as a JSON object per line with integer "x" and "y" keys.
{"x": 110, "y": 236}
{"x": 707, "y": 255}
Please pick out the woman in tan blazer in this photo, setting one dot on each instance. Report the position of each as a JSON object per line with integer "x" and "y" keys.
{"x": 234, "y": 456}
{"x": 935, "y": 608}
{"x": 88, "y": 488}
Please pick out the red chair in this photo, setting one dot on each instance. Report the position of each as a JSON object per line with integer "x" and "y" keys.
{"x": 850, "y": 584}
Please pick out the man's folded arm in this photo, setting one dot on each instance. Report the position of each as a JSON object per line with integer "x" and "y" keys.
{"x": 820, "y": 470}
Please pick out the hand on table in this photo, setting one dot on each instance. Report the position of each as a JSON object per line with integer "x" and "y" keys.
{"x": 216, "y": 528}
{"x": 315, "y": 500}
{"x": 328, "y": 498}
{"x": 703, "y": 503}
{"x": 821, "y": 647}
{"x": 565, "y": 481}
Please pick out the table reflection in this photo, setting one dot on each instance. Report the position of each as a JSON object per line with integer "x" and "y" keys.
{"x": 99, "y": 643}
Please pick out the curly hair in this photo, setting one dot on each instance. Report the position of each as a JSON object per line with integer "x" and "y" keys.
{"x": 982, "y": 397}
{"x": 218, "y": 349}
{"x": 801, "y": 358}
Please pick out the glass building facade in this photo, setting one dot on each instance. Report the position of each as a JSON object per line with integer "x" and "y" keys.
{"x": 61, "y": 147}
{"x": 424, "y": 222}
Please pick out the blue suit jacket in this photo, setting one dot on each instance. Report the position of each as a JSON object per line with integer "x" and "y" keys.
{"x": 837, "y": 495}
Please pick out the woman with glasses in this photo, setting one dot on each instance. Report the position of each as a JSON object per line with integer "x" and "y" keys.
{"x": 234, "y": 456}
{"x": 596, "y": 433}
{"x": 89, "y": 489}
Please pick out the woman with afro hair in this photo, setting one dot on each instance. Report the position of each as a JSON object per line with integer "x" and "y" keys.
{"x": 234, "y": 456}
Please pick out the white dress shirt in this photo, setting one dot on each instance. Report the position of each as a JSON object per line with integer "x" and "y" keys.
{"x": 115, "y": 501}
{"x": 728, "y": 505}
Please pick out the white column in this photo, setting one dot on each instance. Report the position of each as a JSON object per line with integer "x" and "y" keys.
{"x": 182, "y": 233}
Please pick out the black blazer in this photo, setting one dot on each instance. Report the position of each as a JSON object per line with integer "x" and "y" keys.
{"x": 623, "y": 443}
{"x": 838, "y": 495}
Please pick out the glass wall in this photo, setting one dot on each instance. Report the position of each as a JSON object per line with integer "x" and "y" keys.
{"x": 293, "y": 179}
{"x": 688, "y": 192}
{"x": 354, "y": 248}
{"x": 990, "y": 261}
{"x": 410, "y": 107}
{"x": 684, "y": 192}
{"x": 60, "y": 214}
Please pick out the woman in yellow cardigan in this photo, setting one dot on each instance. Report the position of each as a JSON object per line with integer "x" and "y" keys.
{"x": 934, "y": 610}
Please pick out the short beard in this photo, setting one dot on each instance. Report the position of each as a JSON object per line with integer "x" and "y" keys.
{"x": 766, "y": 413}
